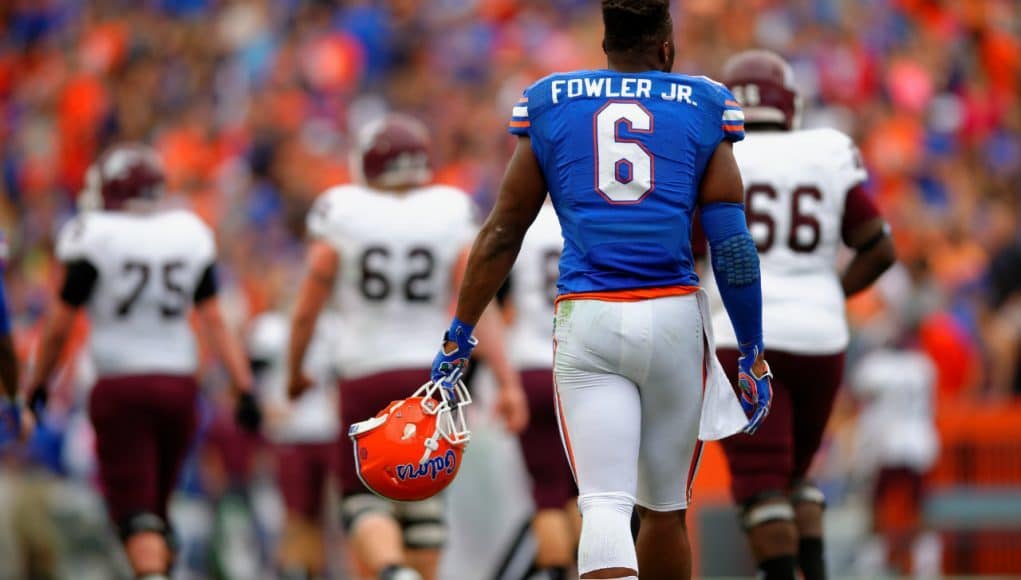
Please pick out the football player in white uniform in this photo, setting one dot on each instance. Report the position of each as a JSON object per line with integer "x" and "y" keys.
{"x": 303, "y": 433}
{"x": 139, "y": 270}
{"x": 897, "y": 443}
{"x": 804, "y": 199}
{"x": 387, "y": 255}
{"x": 531, "y": 290}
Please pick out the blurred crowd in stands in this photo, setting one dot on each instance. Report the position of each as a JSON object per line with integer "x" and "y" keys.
{"x": 252, "y": 104}
{"x": 252, "y": 101}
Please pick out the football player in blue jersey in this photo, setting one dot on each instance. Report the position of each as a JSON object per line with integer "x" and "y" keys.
{"x": 627, "y": 154}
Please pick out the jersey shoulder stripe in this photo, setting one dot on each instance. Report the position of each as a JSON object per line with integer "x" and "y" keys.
{"x": 520, "y": 121}
{"x": 733, "y": 119}
{"x": 530, "y": 106}
{"x": 519, "y": 114}
{"x": 731, "y": 116}
{"x": 716, "y": 100}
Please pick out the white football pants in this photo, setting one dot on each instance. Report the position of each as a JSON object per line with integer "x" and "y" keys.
{"x": 629, "y": 379}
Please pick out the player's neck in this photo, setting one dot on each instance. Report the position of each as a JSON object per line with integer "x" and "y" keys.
{"x": 634, "y": 64}
{"x": 398, "y": 190}
{"x": 139, "y": 206}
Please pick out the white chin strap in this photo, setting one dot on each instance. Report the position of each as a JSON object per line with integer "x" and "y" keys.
{"x": 431, "y": 445}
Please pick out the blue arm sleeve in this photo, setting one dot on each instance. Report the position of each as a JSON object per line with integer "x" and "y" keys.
{"x": 736, "y": 267}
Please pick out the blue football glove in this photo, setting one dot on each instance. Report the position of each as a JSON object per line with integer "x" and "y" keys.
{"x": 452, "y": 359}
{"x": 756, "y": 391}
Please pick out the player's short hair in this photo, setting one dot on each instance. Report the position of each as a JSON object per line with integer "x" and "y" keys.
{"x": 635, "y": 24}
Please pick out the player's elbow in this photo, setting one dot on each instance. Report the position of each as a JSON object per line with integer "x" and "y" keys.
{"x": 302, "y": 321}
{"x": 887, "y": 256}
{"x": 882, "y": 256}
{"x": 498, "y": 238}
{"x": 209, "y": 315}
{"x": 61, "y": 322}
{"x": 310, "y": 302}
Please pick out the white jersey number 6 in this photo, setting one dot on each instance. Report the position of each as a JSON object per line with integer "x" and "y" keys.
{"x": 624, "y": 167}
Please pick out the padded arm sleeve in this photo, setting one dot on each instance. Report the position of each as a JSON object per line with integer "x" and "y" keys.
{"x": 736, "y": 267}
{"x": 78, "y": 282}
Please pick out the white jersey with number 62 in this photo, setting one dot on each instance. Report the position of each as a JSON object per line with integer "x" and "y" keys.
{"x": 397, "y": 256}
{"x": 796, "y": 185}
{"x": 149, "y": 266}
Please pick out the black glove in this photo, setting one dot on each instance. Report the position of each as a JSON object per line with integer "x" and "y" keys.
{"x": 248, "y": 414}
{"x": 37, "y": 399}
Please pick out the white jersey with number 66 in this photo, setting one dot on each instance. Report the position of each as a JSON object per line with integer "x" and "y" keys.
{"x": 796, "y": 187}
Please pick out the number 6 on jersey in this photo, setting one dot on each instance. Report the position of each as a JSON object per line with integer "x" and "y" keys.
{"x": 624, "y": 167}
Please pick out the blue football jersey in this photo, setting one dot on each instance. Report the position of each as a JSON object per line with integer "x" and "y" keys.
{"x": 623, "y": 155}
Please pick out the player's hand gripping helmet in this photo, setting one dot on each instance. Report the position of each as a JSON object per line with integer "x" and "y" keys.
{"x": 412, "y": 449}
{"x": 123, "y": 173}
{"x": 393, "y": 153}
{"x": 763, "y": 82}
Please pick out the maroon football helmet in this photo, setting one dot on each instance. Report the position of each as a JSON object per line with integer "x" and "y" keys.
{"x": 763, "y": 82}
{"x": 393, "y": 153}
{"x": 123, "y": 173}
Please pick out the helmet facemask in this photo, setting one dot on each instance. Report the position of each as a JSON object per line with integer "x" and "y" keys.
{"x": 451, "y": 421}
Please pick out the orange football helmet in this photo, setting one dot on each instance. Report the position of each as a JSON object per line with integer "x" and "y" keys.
{"x": 412, "y": 449}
